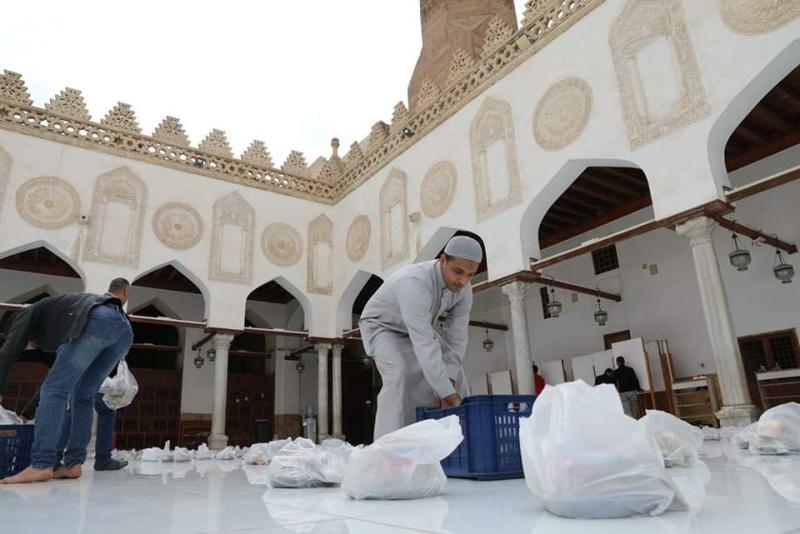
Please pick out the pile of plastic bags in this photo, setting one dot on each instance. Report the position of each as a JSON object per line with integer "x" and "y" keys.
{"x": 404, "y": 464}
{"x": 303, "y": 464}
{"x": 584, "y": 458}
{"x": 262, "y": 453}
{"x": 119, "y": 391}
{"x": 679, "y": 441}
{"x": 776, "y": 432}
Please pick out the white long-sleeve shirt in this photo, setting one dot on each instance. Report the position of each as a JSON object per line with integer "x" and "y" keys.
{"x": 408, "y": 303}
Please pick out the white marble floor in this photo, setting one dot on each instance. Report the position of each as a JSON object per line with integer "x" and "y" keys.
{"x": 737, "y": 492}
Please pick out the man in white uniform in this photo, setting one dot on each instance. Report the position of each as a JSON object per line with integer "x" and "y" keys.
{"x": 420, "y": 367}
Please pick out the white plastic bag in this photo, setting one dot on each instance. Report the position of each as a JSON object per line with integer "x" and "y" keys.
{"x": 120, "y": 390}
{"x": 334, "y": 458}
{"x": 584, "y": 458}
{"x": 262, "y": 453}
{"x": 778, "y": 430}
{"x": 679, "y": 441}
{"x": 297, "y": 465}
{"x": 7, "y": 417}
{"x": 228, "y": 453}
{"x": 182, "y": 454}
{"x": 745, "y": 435}
{"x": 710, "y": 433}
{"x": 203, "y": 453}
{"x": 404, "y": 464}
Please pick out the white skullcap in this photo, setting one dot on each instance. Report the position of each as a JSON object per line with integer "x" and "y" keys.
{"x": 465, "y": 248}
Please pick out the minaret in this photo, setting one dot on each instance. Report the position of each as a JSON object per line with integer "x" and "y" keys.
{"x": 448, "y": 25}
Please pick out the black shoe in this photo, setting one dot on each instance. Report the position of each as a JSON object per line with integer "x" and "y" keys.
{"x": 111, "y": 465}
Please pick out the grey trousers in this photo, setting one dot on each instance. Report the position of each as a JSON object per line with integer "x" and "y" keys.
{"x": 630, "y": 403}
{"x": 404, "y": 385}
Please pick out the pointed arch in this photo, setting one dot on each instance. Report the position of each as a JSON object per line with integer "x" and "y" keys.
{"x": 232, "y": 238}
{"x": 186, "y": 272}
{"x": 50, "y": 248}
{"x": 742, "y": 104}
{"x": 535, "y": 212}
{"x": 344, "y": 309}
{"x": 295, "y": 292}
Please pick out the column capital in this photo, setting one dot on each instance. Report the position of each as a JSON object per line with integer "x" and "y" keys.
{"x": 515, "y": 291}
{"x": 338, "y": 348}
{"x": 323, "y": 347}
{"x": 697, "y": 230}
{"x": 222, "y": 341}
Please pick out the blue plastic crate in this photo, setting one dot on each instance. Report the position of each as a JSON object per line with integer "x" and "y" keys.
{"x": 15, "y": 448}
{"x": 490, "y": 450}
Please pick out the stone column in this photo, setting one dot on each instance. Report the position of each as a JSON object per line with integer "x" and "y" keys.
{"x": 221, "y": 343}
{"x": 515, "y": 291}
{"x": 322, "y": 391}
{"x": 337, "y": 391}
{"x": 737, "y": 408}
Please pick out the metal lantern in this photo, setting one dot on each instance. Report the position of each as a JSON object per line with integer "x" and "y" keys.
{"x": 212, "y": 354}
{"x": 739, "y": 258}
{"x": 783, "y": 271}
{"x": 488, "y": 344}
{"x": 199, "y": 360}
{"x": 554, "y": 307}
{"x": 300, "y": 367}
{"x": 601, "y": 315}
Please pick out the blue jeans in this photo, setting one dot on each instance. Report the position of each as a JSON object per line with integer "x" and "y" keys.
{"x": 76, "y": 376}
{"x": 104, "y": 439}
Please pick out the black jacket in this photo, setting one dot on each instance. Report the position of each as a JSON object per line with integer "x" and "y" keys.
{"x": 46, "y": 325}
{"x": 626, "y": 379}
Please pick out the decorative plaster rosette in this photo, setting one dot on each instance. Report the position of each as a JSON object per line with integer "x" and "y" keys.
{"x": 282, "y": 244}
{"x": 178, "y": 225}
{"x": 358, "y": 236}
{"x": 562, "y": 113}
{"x": 438, "y": 188}
{"x": 48, "y": 202}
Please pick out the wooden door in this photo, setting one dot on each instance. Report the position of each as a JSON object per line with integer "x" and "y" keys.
{"x": 765, "y": 352}
{"x": 616, "y": 337}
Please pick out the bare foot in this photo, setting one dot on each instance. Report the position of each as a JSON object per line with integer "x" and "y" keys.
{"x": 73, "y": 471}
{"x": 29, "y": 475}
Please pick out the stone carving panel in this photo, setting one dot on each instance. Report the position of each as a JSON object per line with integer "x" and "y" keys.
{"x": 178, "y": 225}
{"x": 48, "y": 202}
{"x": 5, "y": 171}
{"x": 659, "y": 79}
{"x": 562, "y": 113}
{"x": 320, "y": 256}
{"x": 358, "y": 236}
{"x": 117, "y": 218}
{"x": 494, "y": 159}
{"x": 394, "y": 219}
{"x": 758, "y": 16}
{"x": 438, "y": 188}
{"x": 282, "y": 244}
{"x": 232, "y": 237}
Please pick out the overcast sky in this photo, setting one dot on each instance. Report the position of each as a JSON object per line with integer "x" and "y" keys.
{"x": 291, "y": 73}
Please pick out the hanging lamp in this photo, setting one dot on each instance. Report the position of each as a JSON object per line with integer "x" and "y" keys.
{"x": 739, "y": 258}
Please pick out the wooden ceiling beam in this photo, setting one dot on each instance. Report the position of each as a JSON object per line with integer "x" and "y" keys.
{"x": 787, "y": 97}
{"x": 764, "y": 184}
{"x": 566, "y": 210}
{"x": 638, "y": 181}
{"x": 613, "y": 200}
{"x": 624, "y": 192}
{"x": 752, "y": 233}
{"x": 773, "y": 119}
{"x": 748, "y": 133}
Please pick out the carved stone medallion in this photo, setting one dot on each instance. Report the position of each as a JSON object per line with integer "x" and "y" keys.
{"x": 48, "y": 202}
{"x": 282, "y": 244}
{"x": 562, "y": 113}
{"x": 178, "y": 225}
{"x": 758, "y": 16}
{"x": 438, "y": 188}
{"x": 358, "y": 238}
